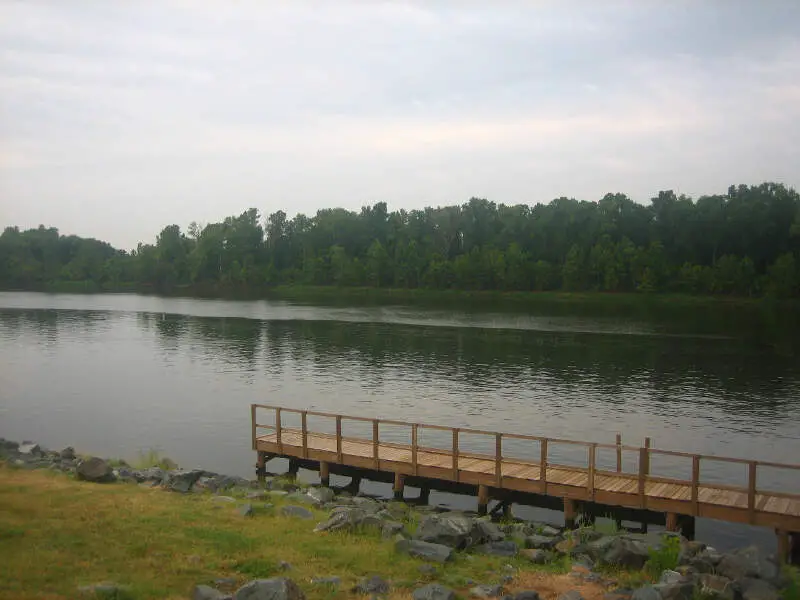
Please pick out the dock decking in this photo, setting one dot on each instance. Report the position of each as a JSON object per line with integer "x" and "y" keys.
{"x": 494, "y": 474}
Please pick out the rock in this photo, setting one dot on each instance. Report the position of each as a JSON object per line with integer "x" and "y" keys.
{"x": 647, "y": 592}
{"x": 677, "y": 591}
{"x": 96, "y": 470}
{"x": 626, "y": 553}
{"x": 259, "y": 495}
{"x": 67, "y": 453}
{"x": 372, "y": 585}
{"x": 669, "y": 577}
{"x": 369, "y": 505}
{"x": 391, "y": 528}
{"x": 434, "y": 591}
{"x": 205, "y": 592}
{"x": 343, "y": 518}
{"x": 321, "y": 495}
{"x": 544, "y": 529}
{"x": 498, "y": 548}
{"x": 217, "y": 483}
{"x": 571, "y": 595}
{"x": 526, "y": 595}
{"x": 181, "y": 481}
{"x": 278, "y": 588}
{"x": 486, "y": 591}
{"x": 424, "y": 550}
{"x": 758, "y": 589}
{"x": 246, "y": 510}
{"x": 155, "y": 474}
{"x": 223, "y": 499}
{"x": 537, "y": 556}
{"x": 746, "y": 562}
{"x": 428, "y": 570}
{"x": 689, "y": 550}
{"x": 619, "y": 594}
{"x": 225, "y": 583}
{"x": 598, "y": 548}
{"x": 542, "y": 542}
{"x": 30, "y": 448}
{"x": 326, "y": 581}
{"x": 284, "y": 566}
{"x": 719, "y": 587}
{"x": 489, "y": 531}
{"x": 297, "y": 511}
{"x": 450, "y": 529}
{"x": 110, "y": 591}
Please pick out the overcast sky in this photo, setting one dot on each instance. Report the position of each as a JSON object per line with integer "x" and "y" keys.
{"x": 117, "y": 118}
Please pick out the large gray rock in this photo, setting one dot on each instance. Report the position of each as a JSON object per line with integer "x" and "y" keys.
{"x": 67, "y": 453}
{"x": 96, "y": 470}
{"x": 433, "y": 591}
{"x": 498, "y": 548}
{"x": 279, "y": 588}
{"x": 537, "y": 556}
{"x": 647, "y": 592}
{"x": 677, "y": 591}
{"x": 669, "y": 577}
{"x": 297, "y": 511}
{"x": 30, "y": 448}
{"x": 489, "y": 532}
{"x": 182, "y": 481}
{"x": 758, "y": 589}
{"x": 346, "y": 518}
{"x": 106, "y": 591}
{"x": 626, "y": 553}
{"x": 321, "y": 495}
{"x": 541, "y": 542}
{"x": 486, "y": 591}
{"x": 598, "y": 548}
{"x": 372, "y": 585}
{"x": 206, "y": 592}
{"x": 718, "y": 587}
{"x": 424, "y": 550}
{"x": 746, "y": 562}
{"x": 451, "y": 529}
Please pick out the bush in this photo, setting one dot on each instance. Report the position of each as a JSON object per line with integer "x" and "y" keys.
{"x": 664, "y": 558}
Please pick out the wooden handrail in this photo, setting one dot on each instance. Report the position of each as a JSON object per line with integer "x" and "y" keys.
{"x": 414, "y": 444}
{"x": 254, "y": 423}
{"x": 498, "y": 459}
{"x": 455, "y": 454}
{"x": 619, "y": 453}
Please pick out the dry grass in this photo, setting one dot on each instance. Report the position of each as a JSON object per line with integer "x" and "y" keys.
{"x": 57, "y": 534}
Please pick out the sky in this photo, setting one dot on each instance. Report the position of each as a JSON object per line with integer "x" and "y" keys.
{"x": 118, "y": 118}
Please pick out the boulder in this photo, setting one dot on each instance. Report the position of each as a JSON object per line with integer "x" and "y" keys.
{"x": 598, "y": 548}
{"x": 369, "y": 505}
{"x": 486, "y": 591}
{"x": 109, "y": 591}
{"x": 372, "y": 585}
{"x": 321, "y": 495}
{"x": 647, "y": 592}
{"x": 205, "y": 592}
{"x": 424, "y": 550}
{"x": 719, "y": 587}
{"x": 758, "y": 589}
{"x": 526, "y": 595}
{"x": 450, "y": 529}
{"x": 542, "y": 542}
{"x": 626, "y": 553}
{"x": 390, "y": 529}
{"x": 489, "y": 531}
{"x": 746, "y": 562}
{"x": 67, "y": 453}
{"x": 677, "y": 591}
{"x": 297, "y": 511}
{"x": 181, "y": 481}
{"x": 30, "y": 448}
{"x": 537, "y": 556}
{"x": 96, "y": 470}
{"x": 669, "y": 577}
{"x": 498, "y": 548}
{"x": 345, "y": 518}
{"x": 279, "y": 588}
{"x": 246, "y": 510}
{"x": 433, "y": 591}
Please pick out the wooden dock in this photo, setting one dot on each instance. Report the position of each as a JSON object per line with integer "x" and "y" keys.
{"x": 587, "y": 489}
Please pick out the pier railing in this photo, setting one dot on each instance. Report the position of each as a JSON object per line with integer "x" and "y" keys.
{"x": 644, "y": 454}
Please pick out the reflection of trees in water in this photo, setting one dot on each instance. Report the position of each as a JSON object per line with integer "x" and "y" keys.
{"x": 49, "y": 325}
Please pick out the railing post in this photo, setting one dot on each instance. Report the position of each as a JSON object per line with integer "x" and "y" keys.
{"x": 619, "y": 453}
{"x": 414, "y": 439}
{"x": 751, "y": 489}
{"x": 695, "y": 485}
{"x": 253, "y": 423}
{"x": 642, "y": 475}
{"x": 278, "y": 428}
{"x": 304, "y": 427}
{"x": 375, "y": 437}
{"x": 455, "y": 454}
{"x": 339, "y": 457}
{"x": 543, "y": 464}
{"x": 498, "y": 459}
{"x": 590, "y": 482}
{"x": 647, "y": 459}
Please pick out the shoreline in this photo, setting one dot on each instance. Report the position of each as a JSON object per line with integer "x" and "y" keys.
{"x": 618, "y": 565}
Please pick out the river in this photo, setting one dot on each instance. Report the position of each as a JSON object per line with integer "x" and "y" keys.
{"x": 117, "y": 375}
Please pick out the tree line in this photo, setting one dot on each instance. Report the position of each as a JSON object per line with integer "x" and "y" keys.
{"x": 745, "y": 242}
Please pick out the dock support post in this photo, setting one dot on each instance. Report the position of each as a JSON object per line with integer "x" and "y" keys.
{"x": 483, "y": 499}
{"x": 794, "y": 548}
{"x": 294, "y": 467}
{"x": 686, "y": 524}
{"x": 354, "y": 486}
{"x": 783, "y": 546}
{"x": 325, "y": 474}
{"x": 399, "y": 484}
{"x": 424, "y": 495}
{"x": 507, "y": 514}
{"x": 672, "y": 521}
{"x": 261, "y": 466}
{"x": 569, "y": 513}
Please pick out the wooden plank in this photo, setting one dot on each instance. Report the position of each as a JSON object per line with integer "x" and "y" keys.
{"x": 498, "y": 459}
{"x": 751, "y": 489}
{"x": 455, "y": 454}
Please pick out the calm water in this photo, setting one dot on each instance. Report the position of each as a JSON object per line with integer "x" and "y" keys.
{"x": 119, "y": 374}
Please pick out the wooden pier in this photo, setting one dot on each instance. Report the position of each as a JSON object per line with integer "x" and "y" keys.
{"x": 587, "y": 490}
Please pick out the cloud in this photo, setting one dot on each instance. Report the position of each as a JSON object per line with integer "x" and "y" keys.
{"x": 196, "y": 110}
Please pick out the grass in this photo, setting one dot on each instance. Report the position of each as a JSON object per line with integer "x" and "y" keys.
{"x": 57, "y": 534}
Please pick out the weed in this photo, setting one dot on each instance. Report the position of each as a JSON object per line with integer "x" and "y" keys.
{"x": 664, "y": 558}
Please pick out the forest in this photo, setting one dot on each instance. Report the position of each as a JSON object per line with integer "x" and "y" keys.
{"x": 745, "y": 242}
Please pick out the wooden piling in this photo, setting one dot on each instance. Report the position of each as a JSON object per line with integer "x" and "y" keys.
{"x": 424, "y": 495}
{"x": 399, "y": 485}
{"x": 483, "y": 499}
{"x": 783, "y": 546}
{"x": 570, "y": 513}
{"x": 261, "y": 466}
{"x": 324, "y": 473}
{"x": 294, "y": 467}
{"x": 672, "y": 521}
